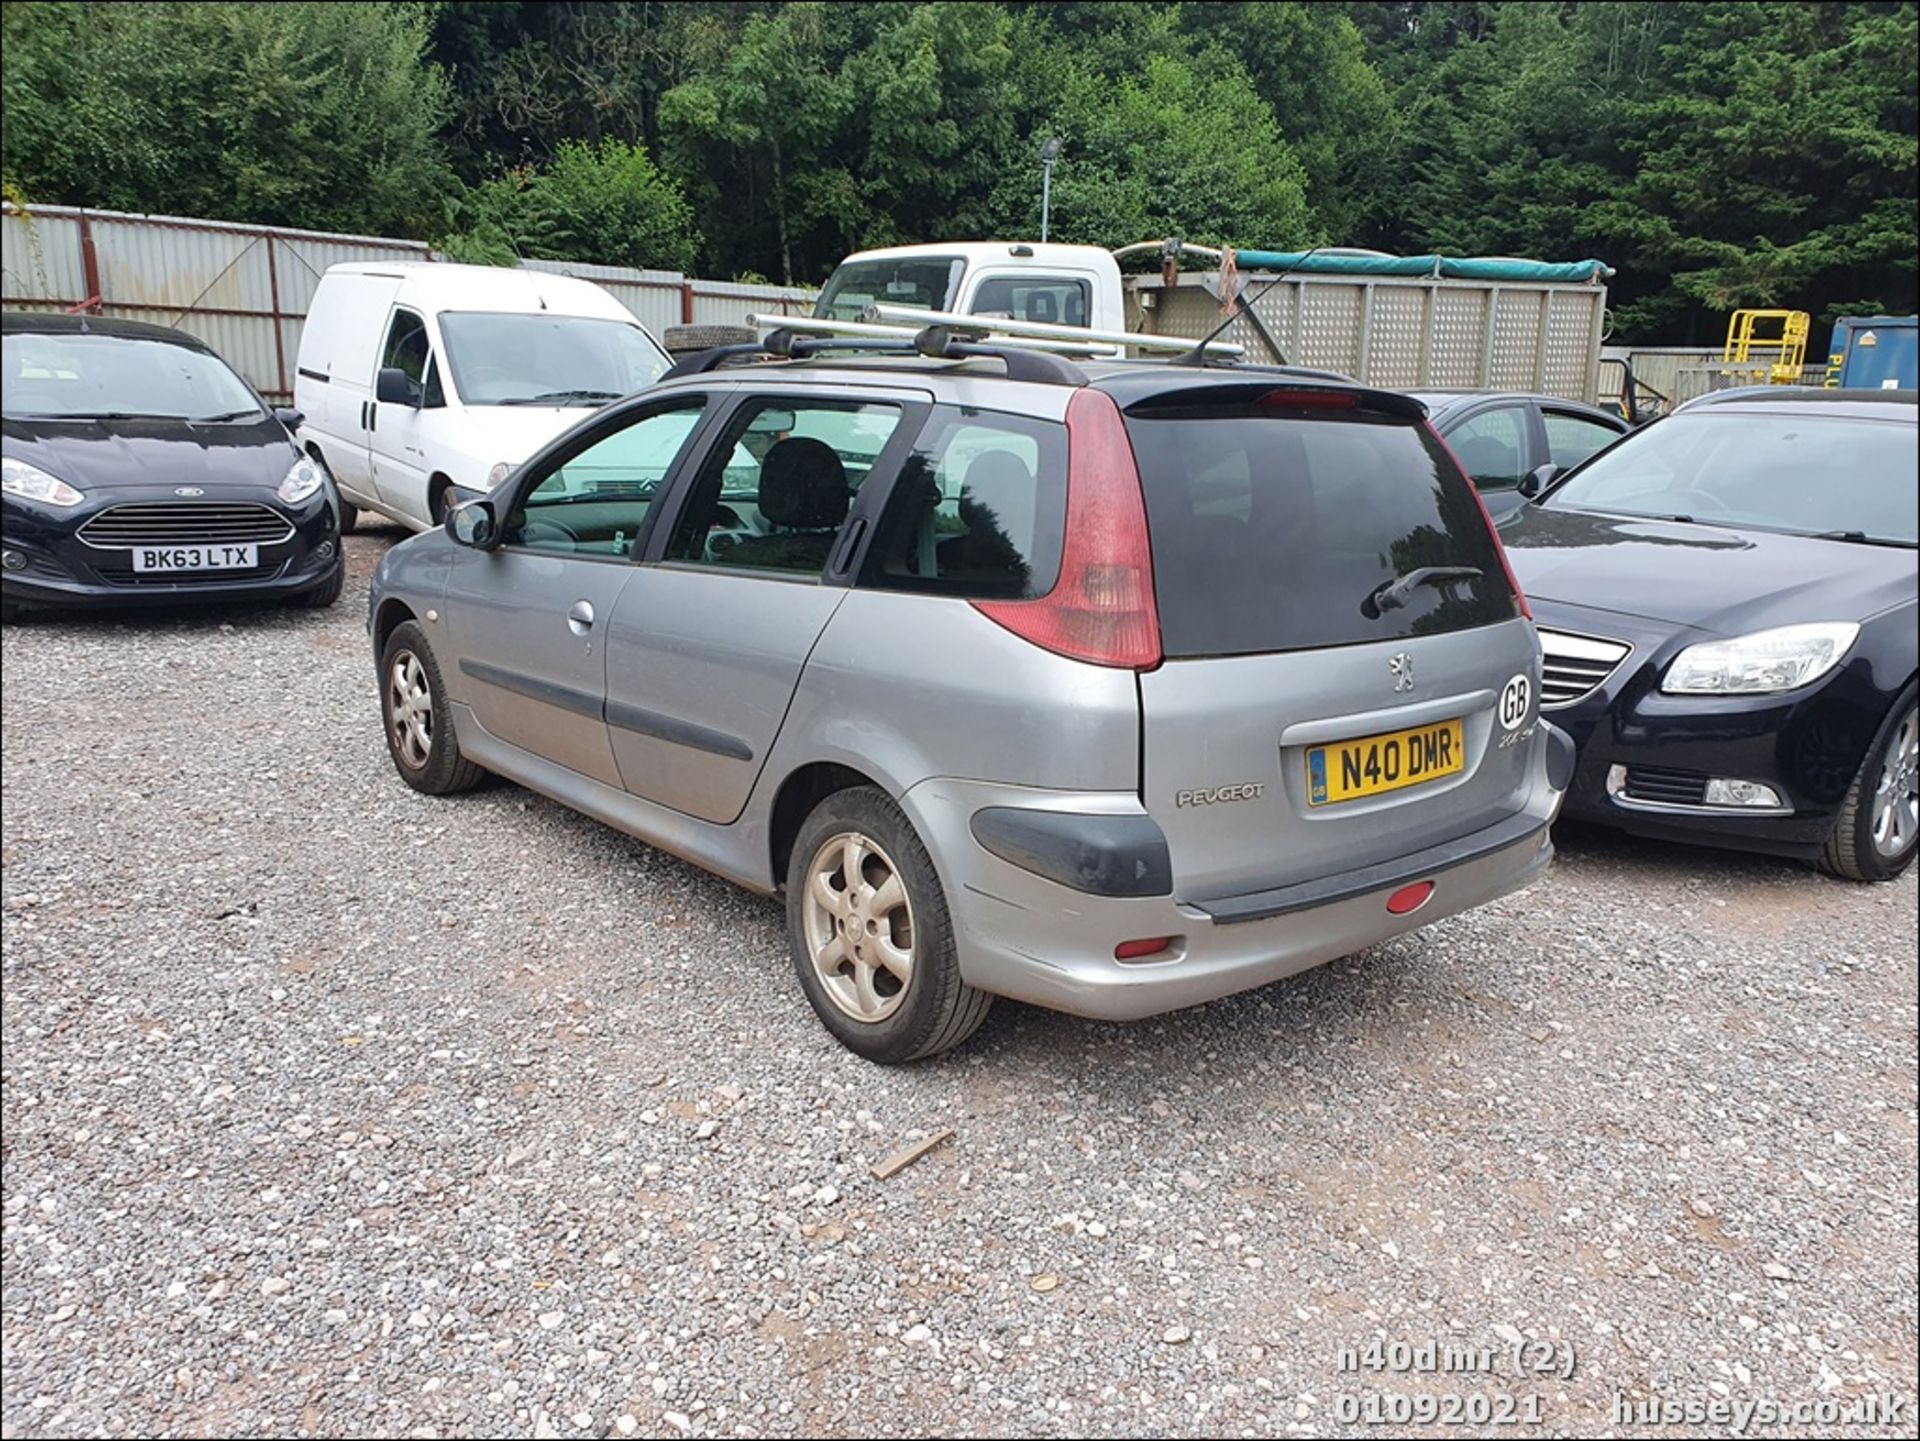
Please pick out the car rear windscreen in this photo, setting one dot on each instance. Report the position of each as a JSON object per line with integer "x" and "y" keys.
{"x": 1274, "y": 531}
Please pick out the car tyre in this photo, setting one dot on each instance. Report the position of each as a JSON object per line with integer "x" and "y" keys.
{"x": 349, "y": 516}
{"x": 417, "y": 718}
{"x": 328, "y": 591}
{"x": 864, "y": 905}
{"x": 681, "y": 340}
{"x": 1874, "y": 838}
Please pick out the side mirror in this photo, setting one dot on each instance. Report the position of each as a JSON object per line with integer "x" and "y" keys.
{"x": 291, "y": 419}
{"x": 395, "y": 387}
{"x": 1537, "y": 480}
{"x": 471, "y": 524}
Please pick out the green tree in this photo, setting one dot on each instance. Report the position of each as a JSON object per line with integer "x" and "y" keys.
{"x": 605, "y": 204}
{"x": 305, "y": 114}
{"x": 1309, "y": 63}
{"x": 1185, "y": 147}
{"x": 755, "y": 130}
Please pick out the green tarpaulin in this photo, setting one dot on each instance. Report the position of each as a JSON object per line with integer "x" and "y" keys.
{"x": 1536, "y": 271}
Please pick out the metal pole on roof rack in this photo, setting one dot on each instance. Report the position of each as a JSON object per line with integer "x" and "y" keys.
{"x": 996, "y": 325}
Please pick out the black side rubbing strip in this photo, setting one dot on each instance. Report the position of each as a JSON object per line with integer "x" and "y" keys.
{"x": 1095, "y": 855}
{"x": 316, "y": 375}
{"x": 684, "y": 733}
{"x": 565, "y": 697}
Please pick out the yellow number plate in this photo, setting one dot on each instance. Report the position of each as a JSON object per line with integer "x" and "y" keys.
{"x": 1351, "y": 769}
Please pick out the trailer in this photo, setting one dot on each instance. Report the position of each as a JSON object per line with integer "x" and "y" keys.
{"x": 1397, "y": 322}
{"x": 1423, "y": 322}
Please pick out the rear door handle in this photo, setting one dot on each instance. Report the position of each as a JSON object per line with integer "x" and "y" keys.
{"x": 580, "y": 618}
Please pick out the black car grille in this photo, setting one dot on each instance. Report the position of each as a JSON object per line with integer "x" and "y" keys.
{"x": 1668, "y": 787}
{"x": 121, "y": 572}
{"x": 1574, "y": 666}
{"x": 186, "y": 522}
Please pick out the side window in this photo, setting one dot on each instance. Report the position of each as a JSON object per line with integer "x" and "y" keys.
{"x": 407, "y": 349}
{"x": 1053, "y": 299}
{"x": 776, "y": 489}
{"x": 596, "y": 502}
{"x": 979, "y": 510}
{"x": 1492, "y": 447}
{"x": 1572, "y": 438}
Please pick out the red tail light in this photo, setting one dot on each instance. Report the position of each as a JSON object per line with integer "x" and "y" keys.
{"x": 1492, "y": 530}
{"x": 1102, "y": 608}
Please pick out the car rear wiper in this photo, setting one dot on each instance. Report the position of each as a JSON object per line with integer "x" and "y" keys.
{"x": 1397, "y": 592}
{"x": 1860, "y": 537}
{"x": 556, "y": 397}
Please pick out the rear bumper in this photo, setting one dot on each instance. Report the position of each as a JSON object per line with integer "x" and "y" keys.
{"x": 1032, "y": 939}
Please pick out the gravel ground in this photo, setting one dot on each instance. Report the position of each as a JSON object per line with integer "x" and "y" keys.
{"x": 332, "y": 1109}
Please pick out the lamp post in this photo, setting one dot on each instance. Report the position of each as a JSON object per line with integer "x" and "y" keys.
{"x": 1049, "y": 152}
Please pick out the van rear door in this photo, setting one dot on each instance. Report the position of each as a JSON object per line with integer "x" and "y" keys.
{"x": 1340, "y": 636}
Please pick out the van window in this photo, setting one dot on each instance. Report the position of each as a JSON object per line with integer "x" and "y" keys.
{"x": 927, "y": 282}
{"x": 1275, "y": 532}
{"x": 544, "y": 358}
{"x": 409, "y": 350}
{"x": 979, "y": 510}
{"x": 1050, "y": 299}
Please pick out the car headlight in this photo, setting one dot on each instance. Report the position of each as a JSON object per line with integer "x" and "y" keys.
{"x": 497, "y": 474}
{"x": 1761, "y": 663}
{"x": 302, "y": 481}
{"x": 30, "y": 482}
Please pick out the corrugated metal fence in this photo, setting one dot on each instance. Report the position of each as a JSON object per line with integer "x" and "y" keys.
{"x": 244, "y": 289}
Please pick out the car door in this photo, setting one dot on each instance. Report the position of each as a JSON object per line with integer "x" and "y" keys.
{"x": 1494, "y": 446}
{"x": 708, "y": 643}
{"x": 528, "y": 618}
{"x": 1571, "y": 436}
{"x": 397, "y": 447}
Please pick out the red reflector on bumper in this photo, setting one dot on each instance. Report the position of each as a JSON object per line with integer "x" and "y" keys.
{"x": 1134, "y": 950}
{"x": 1408, "y": 899}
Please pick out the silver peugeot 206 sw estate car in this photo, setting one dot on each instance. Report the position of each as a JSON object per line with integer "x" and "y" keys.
{"x": 1111, "y": 686}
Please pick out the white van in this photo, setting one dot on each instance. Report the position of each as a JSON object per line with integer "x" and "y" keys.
{"x": 417, "y": 378}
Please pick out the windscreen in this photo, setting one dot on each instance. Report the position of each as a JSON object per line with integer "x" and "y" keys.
{"x": 1275, "y": 532}
{"x": 927, "y": 282}
{"x": 1807, "y": 473}
{"x": 546, "y": 359}
{"x": 74, "y": 376}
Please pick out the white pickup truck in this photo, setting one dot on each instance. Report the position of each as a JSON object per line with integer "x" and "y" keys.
{"x": 1401, "y": 323}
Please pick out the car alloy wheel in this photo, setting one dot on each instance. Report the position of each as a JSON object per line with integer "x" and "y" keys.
{"x": 859, "y": 927}
{"x": 1896, "y": 800}
{"x": 410, "y": 710}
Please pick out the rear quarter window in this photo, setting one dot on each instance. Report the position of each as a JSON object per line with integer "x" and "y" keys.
{"x": 979, "y": 510}
{"x": 1274, "y": 531}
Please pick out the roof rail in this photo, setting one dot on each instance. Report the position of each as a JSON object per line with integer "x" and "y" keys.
{"x": 779, "y": 344}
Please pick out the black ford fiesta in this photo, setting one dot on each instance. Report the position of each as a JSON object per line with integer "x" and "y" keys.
{"x": 1727, "y": 605}
{"x": 138, "y": 468}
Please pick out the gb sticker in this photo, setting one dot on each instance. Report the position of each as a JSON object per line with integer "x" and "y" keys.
{"x": 1516, "y": 701}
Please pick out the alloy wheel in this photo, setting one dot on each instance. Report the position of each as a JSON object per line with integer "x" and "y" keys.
{"x": 410, "y": 710}
{"x": 1896, "y": 800}
{"x": 859, "y": 926}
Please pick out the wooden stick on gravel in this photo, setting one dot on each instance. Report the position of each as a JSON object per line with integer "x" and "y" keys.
{"x": 900, "y": 1160}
